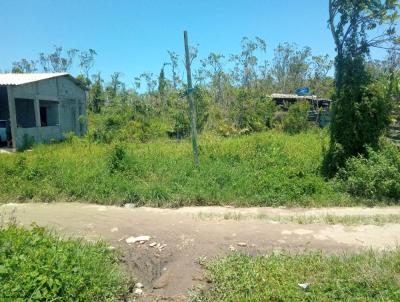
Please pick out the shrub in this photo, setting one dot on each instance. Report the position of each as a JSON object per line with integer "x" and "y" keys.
{"x": 376, "y": 175}
{"x": 36, "y": 265}
{"x": 360, "y": 115}
{"x": 27, "y": 142}
{"x": 116, "y": 159}
{"x": 70, "y": 137}
{"x": 252, "y": 112}
{"x": 181, "y": 118}
{"x": 296, "y": 119}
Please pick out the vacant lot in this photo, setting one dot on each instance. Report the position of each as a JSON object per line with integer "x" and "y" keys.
{"x": 265, "y": 169}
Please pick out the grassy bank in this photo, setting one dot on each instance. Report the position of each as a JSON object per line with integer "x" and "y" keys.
{"x": 270, "y": 168}
{"x": 366, "y": 276}
{"x": 39, "y": 266}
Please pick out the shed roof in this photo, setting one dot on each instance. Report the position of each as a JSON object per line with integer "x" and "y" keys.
{"x": 291, "y": 96}
{"x": 14, "y": 79}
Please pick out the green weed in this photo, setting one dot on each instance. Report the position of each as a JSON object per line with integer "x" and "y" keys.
{"x": 36, "y": 265}
{"x": 263, "y": 169}
{"x": 366, "y": 276}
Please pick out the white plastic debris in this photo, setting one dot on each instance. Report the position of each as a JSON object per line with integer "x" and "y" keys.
{"x": 153, "y": 244}
{"x": 138, "y": 291}
{"x": 243, "y": 244}
{"x": 137, "y": 239}
{"x": 303, "y": 285}
{"x": 139, "y": 285}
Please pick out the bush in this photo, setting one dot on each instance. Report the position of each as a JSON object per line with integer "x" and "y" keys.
{"x": 360, "y": 115}
{"x": 36, "y": 265}
{"x": 181, "y": 117}
{"x": 116, "y": 159}
{"x": 376, "y": 175}
{"x": 252, "y": 112}
{"x": 296, "y": 119}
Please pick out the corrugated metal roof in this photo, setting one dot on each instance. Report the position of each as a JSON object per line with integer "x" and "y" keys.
{"x": 291, "y": 96}
{"x": 12, "y": 79}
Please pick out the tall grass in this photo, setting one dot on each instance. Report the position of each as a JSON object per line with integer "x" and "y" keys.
{"x": 365, "y": 276}
{"x": 264, "y": 169}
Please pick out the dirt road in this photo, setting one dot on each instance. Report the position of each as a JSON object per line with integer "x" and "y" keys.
{"x": 167, "y": 263}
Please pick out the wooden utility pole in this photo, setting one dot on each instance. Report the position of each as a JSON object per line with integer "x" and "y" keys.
{"x": 192, "y": 108}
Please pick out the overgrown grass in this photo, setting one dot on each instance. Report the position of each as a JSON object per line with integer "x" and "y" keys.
{"x": 36, "y": 265}
{"x": 366, "y": 276}
{"x": 270, "y": 168}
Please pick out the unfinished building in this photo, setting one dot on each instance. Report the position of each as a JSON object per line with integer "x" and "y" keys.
{"x": 40, "y": 107}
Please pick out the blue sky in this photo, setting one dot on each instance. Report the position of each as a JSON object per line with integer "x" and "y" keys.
{"x": 133, "y": 36}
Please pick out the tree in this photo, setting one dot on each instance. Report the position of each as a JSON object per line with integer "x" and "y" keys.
{"x": 162, "y": 85}
{"x": 216, "y": 75}
{"x": 291, "y": 67}
{"x": 245, "y": 71}
{"x": 24, "y": 66}
{"x": 57, "y": 61}
{"x": 86, "y": 61}
{"x": 320, "y": 83}
{"x": 173, "y": 56}
{"x": 114, "y": 88}
{"x": 360, "y": 113}
{"x": 96, "y": 95}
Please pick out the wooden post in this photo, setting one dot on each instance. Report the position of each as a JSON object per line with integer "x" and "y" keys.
{"x": 192, "y": 108}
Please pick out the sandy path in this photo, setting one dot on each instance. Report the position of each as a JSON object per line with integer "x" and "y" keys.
{"x": 169, "y": 272}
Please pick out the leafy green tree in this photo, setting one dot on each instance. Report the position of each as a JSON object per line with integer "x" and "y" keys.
{"x": 360, "y": 113}
{"x": 162, "y": 84}
{"x": 96, "y": 94}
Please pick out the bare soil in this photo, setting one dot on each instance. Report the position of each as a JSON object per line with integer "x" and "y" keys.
{"x": 167, "y": 273}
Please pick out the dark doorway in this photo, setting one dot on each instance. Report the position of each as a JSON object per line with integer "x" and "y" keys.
{"x": 43, "y": 116}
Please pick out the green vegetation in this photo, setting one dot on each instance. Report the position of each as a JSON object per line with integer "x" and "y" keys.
{"x": 264, "y": 169}
{"x": 376, "y": 176}
{"x": 270, "y": 168}
{"x": 136, "y": 149}
{"x": 362, "y": 102}
{"x": 366, "y": 276}
{"x": 307, "y": 219}
{"x": 36, "y": 265}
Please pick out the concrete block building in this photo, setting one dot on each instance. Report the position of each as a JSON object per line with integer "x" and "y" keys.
{"x": 41, "y": 107}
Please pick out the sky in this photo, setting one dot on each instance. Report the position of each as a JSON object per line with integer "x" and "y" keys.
{"x": 134, "y": 36}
